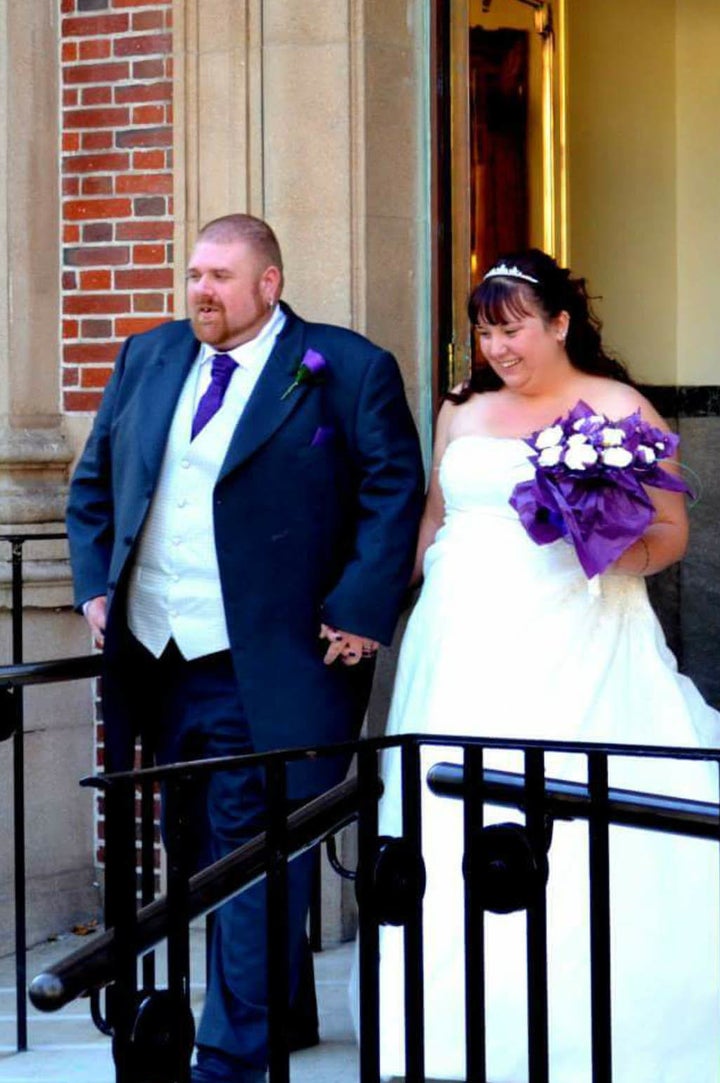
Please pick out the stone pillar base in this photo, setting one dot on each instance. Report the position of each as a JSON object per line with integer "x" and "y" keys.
{"x": 58, "y": 743}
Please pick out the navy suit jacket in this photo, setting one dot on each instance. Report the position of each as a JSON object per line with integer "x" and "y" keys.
{"x": 316, "y": 510}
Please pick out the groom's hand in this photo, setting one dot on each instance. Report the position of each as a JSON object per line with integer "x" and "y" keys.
{"x": 346, "y": 646}
{"x": 95, "y": 611}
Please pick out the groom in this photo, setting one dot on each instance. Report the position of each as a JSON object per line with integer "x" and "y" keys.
{"x": 242, "y": 525}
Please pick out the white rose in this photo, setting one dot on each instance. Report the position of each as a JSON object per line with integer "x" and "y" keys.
{"x": 549, "y": 437}
{"x": 617, "y": 456}
{"x": 646, "y": 454}
{"x": 550, "y": 456}
{"x": 588, "y": 422}
{"x": 580, "y": 455}
{"x": 576, "y": 439}
{"x": 612, "y": 437}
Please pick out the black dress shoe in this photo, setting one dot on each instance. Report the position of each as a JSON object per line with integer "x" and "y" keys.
{"x": 302, "y": 1038}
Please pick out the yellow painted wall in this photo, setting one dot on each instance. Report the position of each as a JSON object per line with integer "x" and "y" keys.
{"x": 622, "y": 173}
{"x": 698, "y": 190}
{"x": 643, "y": 155}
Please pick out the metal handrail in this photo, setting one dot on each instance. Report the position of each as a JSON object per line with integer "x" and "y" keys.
{"x": 572, "y": 801}
{"x": 90, "y": 967}
{"x": 94, "y": 966}
{"x": 13, "y": 679}
{"x": 110, "y": 959}
{"x": 52, "y": 671}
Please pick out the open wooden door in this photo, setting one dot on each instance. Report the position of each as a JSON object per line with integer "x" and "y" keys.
{"x": 499, "y": 170}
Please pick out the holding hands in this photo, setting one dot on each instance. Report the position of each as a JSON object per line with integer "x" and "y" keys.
{"x": 346, "y": 646}
{"x": 94, "y": 612}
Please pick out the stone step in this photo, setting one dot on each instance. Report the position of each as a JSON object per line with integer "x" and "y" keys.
{"x": 65, "y": 1047}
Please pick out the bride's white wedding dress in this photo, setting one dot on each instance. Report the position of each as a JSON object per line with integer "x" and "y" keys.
{"x": 507, "y": 640}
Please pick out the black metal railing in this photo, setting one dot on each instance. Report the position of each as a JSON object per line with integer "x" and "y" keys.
{"x": 503, "y": 871}
{"x": 152, "y": 1029}
{"x": 14, "y": 679}
{"x": 599, "y": 805}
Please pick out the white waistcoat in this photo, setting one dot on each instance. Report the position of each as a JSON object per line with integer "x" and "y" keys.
{"x": 174, "y": 588}
{"x": 175, "y": 583}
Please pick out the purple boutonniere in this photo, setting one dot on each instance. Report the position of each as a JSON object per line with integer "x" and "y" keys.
{"x": 310, "y": 369}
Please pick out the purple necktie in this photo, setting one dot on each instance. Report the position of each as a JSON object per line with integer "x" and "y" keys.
{"x": 222, "y": 369}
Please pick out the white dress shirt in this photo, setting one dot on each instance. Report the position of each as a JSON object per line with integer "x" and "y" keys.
{"x": 174, "y": 589}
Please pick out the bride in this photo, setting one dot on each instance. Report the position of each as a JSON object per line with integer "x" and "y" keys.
{"x": 508, "y": 640}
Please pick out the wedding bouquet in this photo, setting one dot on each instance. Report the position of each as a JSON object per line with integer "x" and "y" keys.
{"x": 589, "y": 481}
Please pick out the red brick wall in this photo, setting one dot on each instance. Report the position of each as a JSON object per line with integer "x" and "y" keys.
{"x": 117, "y": 278}
{"x": 116, "y": 68}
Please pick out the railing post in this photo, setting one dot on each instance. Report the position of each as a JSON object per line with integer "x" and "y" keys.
{"x": 538, "y": 1045}
{"x": 17, "y": 542}
{"x": 277, "y": 921}
{"x": 599, "y": 854}
{"x": 473, "y": 818}
{"x": 413, "y": 930}
{"x": 369, "y": 937}
{"x": 177, "y": 806}
{"x": 121, "y": 914}
{"x": 19, "y": 801}
{"x": 315, "y": 917}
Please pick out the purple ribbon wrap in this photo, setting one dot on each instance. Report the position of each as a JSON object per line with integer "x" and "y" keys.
{"x": 602, "y": 509}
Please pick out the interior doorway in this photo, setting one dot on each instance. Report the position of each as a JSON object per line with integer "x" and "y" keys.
{"x": 499, "y": 151}
{"x": 498, "y": 93}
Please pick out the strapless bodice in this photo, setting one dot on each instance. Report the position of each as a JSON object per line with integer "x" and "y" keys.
{"x": 478, "y": 474}
{"x": 477, "y": 477}
{"x": 483, "y": 533}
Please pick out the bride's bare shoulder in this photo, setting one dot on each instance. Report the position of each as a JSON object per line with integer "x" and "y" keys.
{"x": 615, "y": 399}
{"x": 465, "y": 412}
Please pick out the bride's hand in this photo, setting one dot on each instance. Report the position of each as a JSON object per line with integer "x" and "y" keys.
{"x": 346, "y": 646}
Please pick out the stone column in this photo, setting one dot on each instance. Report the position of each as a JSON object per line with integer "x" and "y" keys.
{"x": 34, "y": 456}
{"x": 34, "y": 462}
{"x": 311, "y": 113}
{"x": 218, "y": 104}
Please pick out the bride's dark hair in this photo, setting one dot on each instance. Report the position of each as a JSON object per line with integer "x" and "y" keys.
{"x": 502, "y": 298}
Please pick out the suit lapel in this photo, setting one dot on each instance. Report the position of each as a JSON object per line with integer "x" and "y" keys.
{"x": 267, "y": 409}
{"x": 166, "y": 374}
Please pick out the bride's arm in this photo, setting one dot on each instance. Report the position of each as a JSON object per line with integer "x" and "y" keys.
{"x": 665, "y": 541}
{"x": 434, "y": 512}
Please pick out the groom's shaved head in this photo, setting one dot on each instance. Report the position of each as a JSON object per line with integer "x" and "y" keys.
{"x": 232, "y": 228}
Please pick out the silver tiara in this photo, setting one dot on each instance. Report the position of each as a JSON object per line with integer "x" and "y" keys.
{"x": 501, "y": 270}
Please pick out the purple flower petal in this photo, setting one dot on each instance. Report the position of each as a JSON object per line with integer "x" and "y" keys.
{"x": 601, "y": 508}
{"x": 314, "y": 362}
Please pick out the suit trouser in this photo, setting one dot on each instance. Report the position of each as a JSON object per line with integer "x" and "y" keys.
{"x": 197, "y": 714}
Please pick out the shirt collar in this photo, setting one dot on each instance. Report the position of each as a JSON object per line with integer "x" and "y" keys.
{"x": 257, "y": 350}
